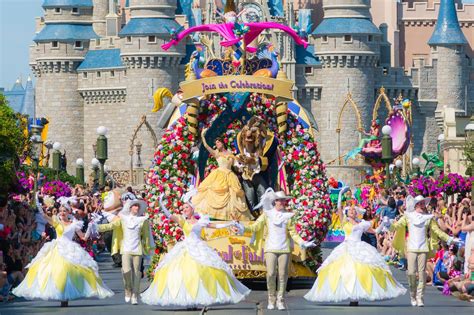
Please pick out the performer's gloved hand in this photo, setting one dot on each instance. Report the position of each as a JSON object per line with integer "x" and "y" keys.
{"x": 307, "y": 244}
{"x": 454, "y": 240}
{"x": 240, "y": 228}
{"x": 96, "y": 217}
{"x": 165, "y": 211}
{"x": 109, "y": 216}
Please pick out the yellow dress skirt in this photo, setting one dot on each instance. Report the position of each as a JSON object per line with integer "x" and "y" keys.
{"x": 62, "y": 270}
{"x": 192, "y": 274}
{"x": 354, "y": 271}
{"x": 221, "y": 196}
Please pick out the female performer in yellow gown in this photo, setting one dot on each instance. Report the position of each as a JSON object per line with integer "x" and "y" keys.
{"x": 62, "y": 270}
{"x": 192, "y": 274}
{"x": 220, "y": 194}
{"x": 354, "y": 270}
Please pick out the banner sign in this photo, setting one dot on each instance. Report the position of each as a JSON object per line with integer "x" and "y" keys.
{"x": 236, "y": 251}
{"x": 235, "y": 84}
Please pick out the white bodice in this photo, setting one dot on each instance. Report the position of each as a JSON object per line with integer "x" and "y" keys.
{"x": 68, "y": 231}
{"x": 355, "y": 234}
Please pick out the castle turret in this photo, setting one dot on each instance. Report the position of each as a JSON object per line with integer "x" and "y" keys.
{"x": 101, "y": 8}
{"x": 62, "y": 40}
{"x": 348, "y": 45}
{"x": 141, "y": 68}
{"x": 448, "y": 47}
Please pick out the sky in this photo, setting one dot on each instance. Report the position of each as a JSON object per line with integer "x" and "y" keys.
{"x": 17, "y": 29}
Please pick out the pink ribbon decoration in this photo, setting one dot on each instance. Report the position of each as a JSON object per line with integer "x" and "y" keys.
{"x": 227, "y": 32}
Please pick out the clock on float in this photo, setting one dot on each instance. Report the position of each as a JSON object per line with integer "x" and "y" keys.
{"x": 253, "y": 13}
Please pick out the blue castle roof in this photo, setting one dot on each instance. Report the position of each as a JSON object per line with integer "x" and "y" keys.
{"x": 339, "y": 26}
{"x": 101, "y": 59}
{"x": 148, "y": 26}
{"x": 65, "y": 32}
{"x": 21, "y": 99}
{"x": 305, "y": 56}
{"x": 447, "y": 30}
{"x": 68, "y": 3}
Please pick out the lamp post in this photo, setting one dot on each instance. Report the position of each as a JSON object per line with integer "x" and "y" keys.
{"x": 80, "y": 171}
{"x": 56, "y": 157}
{"x": 398, "y": 168}
{"x": 387, "y": 155}
{"x": 95, "y": 167}
{"x": 36, "y": 148}
{"x": 102, "y": 152}
{"x": 416, "y": 165}
{"x": 469, "y": 130}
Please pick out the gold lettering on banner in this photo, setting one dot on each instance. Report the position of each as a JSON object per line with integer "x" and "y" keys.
{"x": 240, "y": 83}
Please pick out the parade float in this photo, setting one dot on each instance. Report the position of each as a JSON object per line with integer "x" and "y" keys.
{"x": 242, "y": 101}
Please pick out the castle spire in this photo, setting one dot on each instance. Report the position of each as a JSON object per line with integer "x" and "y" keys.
{"x": 447, "y": 30}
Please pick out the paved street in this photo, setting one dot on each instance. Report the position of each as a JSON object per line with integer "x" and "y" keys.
{"x": 435, "y": 302}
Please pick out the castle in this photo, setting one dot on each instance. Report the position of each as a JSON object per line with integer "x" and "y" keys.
{"x": 98, "y": 62}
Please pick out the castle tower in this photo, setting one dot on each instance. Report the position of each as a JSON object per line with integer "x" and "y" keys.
{"x": 62, "y": 40}
{"x": 143, "y": 67}
{"x": 348, "y": 46}
{"x": 448, "y": 47}
{"x": 99, "y": 16}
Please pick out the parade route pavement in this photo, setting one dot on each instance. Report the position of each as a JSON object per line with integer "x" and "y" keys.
{"x": 435, "y": 303}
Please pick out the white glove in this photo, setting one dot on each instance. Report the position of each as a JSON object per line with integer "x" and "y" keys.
{"x": 109, "y": 216}
{"x": 89, "y": 231}
{"x": 166, "y": 212}
{"x": 95, "y": 217}
{"x": 307, "y": 244}
{"x": 240, "y": 227}
{"x": 454, "y": 240}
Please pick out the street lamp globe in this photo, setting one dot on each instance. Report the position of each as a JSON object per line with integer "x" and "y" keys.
{"x": 441, "y": 137}
{"x": 416, "y": 161}
{"x": 386, "y": 130}
{"x": 80, "y": 162}
{"x": 469, "y": 127}
{"x": 102, "y": 131}
{"x": 95, "y": 162}
{"x": 57, "y": 146}
{"x": 399, "y": 163}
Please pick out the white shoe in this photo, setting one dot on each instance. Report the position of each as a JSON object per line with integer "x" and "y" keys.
{"x": 134, "y": 300}
{"x": 419, "y": 302}
{"x": 281, "y": 305}
{"x": 271, "y": 305}
{"x": 413, "y": 301}
{"x": 127, "y": 297}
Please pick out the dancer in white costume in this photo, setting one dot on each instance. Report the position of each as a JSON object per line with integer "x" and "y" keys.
{"x": 192, "y": 274}
{"x": 62, "y": 270}
{"x": 354, "y": 270}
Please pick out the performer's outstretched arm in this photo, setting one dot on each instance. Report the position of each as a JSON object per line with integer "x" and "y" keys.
{"x": 257, "y": 225}
{"x": 208, "y": 148}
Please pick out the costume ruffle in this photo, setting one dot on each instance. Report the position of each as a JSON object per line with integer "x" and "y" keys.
{"x": 354, "y": 271}
{"x": 192, "y": 274}
{"x": 62, "y": 270}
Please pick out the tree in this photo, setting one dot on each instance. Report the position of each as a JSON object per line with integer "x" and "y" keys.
{"x": 13, "y": 144}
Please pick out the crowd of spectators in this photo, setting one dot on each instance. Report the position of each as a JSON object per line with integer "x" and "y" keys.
{"x": 23, "y": 230}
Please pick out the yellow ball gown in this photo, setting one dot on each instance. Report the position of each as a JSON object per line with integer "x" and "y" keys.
{"x": 62, "y": 270}
{"x": 220, "y": 194}
{"x": 192, "y": 274}
{"x": 354, "y": 271}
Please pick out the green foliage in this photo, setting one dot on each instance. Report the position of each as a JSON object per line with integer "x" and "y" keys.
{"x": 13, "y": 143}
{"x": 469, "y": 154}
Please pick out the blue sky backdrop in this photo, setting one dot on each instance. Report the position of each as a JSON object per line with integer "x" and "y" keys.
{"x": 17, "y": 29}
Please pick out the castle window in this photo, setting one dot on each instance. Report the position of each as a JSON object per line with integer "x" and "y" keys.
{"x": 152, "y": 39}
{"x": 458, "y": 49}
{"x": 97, "y": 42}
{"x": 112, "y": 74}
{"x": 347, "y": 38}
{"x": 129, "y": 39}
{"x": 57, "y": 10}
{"x": 84, "y": 75}
{"x": 75, "y": 10}
{"x": 324, "y": 39}
{"x": 78, "y": 44}
{"x": 434, "y": 48}
{"x": 98, "y": 74}
{"x": 308, "y": 70}
{"x": 55, "y": 44}
{"x": 125, "y": 73}
{"x": 371, "y": 38}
